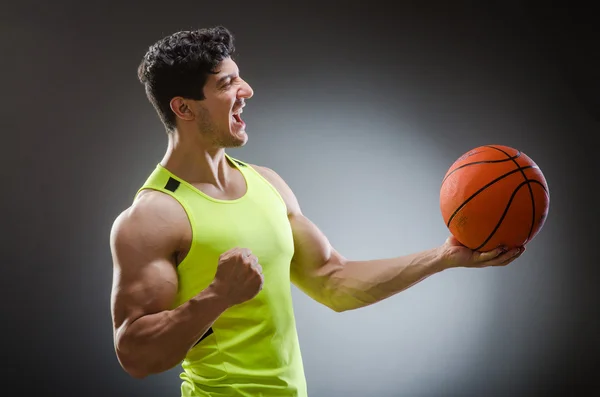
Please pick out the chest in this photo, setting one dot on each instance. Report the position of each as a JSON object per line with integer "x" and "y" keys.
{"x": 259, "y": 223}
{"x": 262, "y": 228}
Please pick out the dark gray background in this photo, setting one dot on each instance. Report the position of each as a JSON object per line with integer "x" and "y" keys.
{"x": 361, "y": 108}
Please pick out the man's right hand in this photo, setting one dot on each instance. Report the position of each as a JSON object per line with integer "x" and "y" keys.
{"x": 239, "y": 276}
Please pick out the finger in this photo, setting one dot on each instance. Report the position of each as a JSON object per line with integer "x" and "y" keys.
{"x": 506, "y": 258}
{"x": 245, "y": 252}
{"x": 490, "y": 255}
{"x": 508, "y": 261}
{"x": 523, "y": 249}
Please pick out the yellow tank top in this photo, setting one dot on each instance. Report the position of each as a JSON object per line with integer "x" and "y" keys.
{"x": 252, "y": 349}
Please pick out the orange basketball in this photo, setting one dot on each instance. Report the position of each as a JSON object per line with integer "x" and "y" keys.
{"x": 494, "y": 195}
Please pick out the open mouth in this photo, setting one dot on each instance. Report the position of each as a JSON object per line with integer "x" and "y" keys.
{"x": 236, "y": 116}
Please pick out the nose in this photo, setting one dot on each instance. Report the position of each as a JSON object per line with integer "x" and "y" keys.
{"x": 245, "y": 90}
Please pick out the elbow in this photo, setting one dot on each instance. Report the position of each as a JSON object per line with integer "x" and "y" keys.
{"x": 333, "y": 299}
{"x": 132, "y": 366}
{"x": 136, "y": 373}
{"x": 338, "y": 305}
{"x": 130, "y": 357}
{"x": 343, "y": 300}
{"x": 339, "y": 308}
{"x": 140, "y": 366}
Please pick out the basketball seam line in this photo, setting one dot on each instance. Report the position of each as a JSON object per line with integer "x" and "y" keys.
{"x": 527, "y": 182}
{"x": 481, "y": 162}
{"x": 482, "y": 189}
{"x": 530, "y": 193}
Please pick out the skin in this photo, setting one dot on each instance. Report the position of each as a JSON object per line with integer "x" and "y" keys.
{"x": 152, "y": 236}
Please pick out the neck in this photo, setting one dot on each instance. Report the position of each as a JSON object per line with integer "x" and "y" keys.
{"x": 195, "y": 161}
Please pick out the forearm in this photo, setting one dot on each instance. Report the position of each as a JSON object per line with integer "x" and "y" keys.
{"x": 361, "y": 283}
{"x": 157, "y": 342}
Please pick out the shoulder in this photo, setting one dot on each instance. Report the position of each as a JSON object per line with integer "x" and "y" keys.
{"x": 155, "y": 220}
{"x": 282, "y": 187}
{"x": 268, "y": 173}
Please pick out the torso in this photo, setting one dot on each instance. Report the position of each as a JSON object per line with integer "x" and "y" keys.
{"x": 261, "y": 333}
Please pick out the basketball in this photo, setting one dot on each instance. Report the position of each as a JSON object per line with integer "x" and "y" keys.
{"x": 494, "y": 195}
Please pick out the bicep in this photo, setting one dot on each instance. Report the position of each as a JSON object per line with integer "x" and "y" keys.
{"x": 144, "y": 275}
{"x": 315, "y": 261}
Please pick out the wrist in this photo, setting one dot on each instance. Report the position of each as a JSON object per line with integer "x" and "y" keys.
{"x": 441, "y": 259}
{"x": 217, "y": 298}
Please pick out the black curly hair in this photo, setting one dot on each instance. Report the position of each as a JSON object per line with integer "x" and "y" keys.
{"x": 179, "y": 65}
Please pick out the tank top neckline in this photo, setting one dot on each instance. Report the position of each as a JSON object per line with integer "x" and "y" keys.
{"x": 208, "y": 197}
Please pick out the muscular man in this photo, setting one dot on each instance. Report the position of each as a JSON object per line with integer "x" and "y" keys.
{"x": 204, "y": 257}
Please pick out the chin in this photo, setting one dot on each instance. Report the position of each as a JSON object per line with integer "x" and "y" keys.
{"x": 235, "y": 139}
{"x": 244, "y": 140}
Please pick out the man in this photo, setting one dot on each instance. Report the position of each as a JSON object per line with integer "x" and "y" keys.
{"x": 204, "y": 256}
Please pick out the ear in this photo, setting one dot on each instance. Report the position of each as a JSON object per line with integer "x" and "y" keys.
{"x": 180, "y": 107}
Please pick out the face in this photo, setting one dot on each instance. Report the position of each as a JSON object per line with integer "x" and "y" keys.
{"x": 218, "y": 116}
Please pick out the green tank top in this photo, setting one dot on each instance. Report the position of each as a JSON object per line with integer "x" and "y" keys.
{"x": 252, "y": 349}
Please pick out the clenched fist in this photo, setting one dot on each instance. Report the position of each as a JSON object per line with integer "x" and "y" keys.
{"x": 239, "y": 276}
